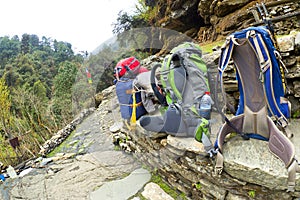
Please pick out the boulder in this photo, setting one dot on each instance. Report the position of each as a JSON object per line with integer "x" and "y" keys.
{"x": 98, "y": 99}
{"x": 251, "y": 161}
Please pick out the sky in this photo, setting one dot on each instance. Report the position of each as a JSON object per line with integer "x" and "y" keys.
{"x": 83, "y": 23}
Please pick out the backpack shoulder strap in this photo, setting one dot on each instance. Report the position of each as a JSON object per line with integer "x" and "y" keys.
{"x": 259, "y": 39}
{"x": 283, "y": 148}
{"x": 224, "y": 59}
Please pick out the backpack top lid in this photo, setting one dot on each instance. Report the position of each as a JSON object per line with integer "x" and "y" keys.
{"x": 125, "y": 65}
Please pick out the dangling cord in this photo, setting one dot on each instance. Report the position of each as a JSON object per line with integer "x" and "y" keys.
{"x": 133, "y": 115}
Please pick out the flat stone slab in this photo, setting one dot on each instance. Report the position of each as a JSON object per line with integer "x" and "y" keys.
{"x": 152, "y": 191}
{"x": 252, "y": 161}
{"x": 123, "y": 188}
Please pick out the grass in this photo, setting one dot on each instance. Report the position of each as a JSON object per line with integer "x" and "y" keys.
{"x": 171, "y": 191}
{"x": 59, "y": 148}
{"x": 207, "y": 47}
{"x": 251, "y": 194}
{"x": 157, "y": 179}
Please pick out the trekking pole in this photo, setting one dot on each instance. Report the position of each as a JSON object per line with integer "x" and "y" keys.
{"x": 260, "y": 12}
{"x": 255, "y": 15}
{"x": 270, "y": 26}
{"x": 267, "y": 20}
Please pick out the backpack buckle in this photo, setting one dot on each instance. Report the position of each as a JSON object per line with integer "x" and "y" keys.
{"x": 282, "y": 122}
{"x": 212, "y": 152}
{"x": 291, "y": 187}
{"x": 218, "y": 170}
{"x": 245, "y": 136}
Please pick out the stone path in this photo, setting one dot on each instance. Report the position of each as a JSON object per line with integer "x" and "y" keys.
{"x": 98, "y": 171}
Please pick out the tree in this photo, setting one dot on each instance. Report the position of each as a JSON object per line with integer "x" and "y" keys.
{"x": 24, "y": 65}
{"x": 62, "y": 98}
{"x": 25, "y": 47}
{"x": 62, "y": 51}
{"x": 9, "y": 49}
{"x": 40, "y": 91}
{"x": 34, "y": 42}
{"x": 6, "y": 119}
{"x": 141, "y": 18}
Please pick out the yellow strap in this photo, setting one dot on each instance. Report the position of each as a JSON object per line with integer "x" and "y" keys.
{"x": 133, "y": 115}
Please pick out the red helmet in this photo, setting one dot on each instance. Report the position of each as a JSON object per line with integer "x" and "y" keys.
{"x": 125, "y": 65}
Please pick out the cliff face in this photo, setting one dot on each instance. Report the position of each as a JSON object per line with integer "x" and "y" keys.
{"x": 207, "y": 20}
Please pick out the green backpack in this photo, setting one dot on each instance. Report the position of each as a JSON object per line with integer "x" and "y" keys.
{"x": 184, "y": 81}
{"x": 184, "y": 76}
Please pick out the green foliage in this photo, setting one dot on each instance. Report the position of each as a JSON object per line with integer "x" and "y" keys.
{"x": 63, "y": 51}
{"x": 5, "y": 151}
{"x": 64, "y": 145}
{"x": 148, "y": 13}
{"x": 296, "y": 114}
{"x": 251, "y": 194}
{"x": 139, "y": 19}
{"x": 37, "y": 77}
{"x": 62, "y": 97}
{"x": 9, "y": 49}
{"x": 5, "y": 104}
{"x": 39, "y": 90}
{"x": 208, "y": 48}
{"x": 197, "y": 185}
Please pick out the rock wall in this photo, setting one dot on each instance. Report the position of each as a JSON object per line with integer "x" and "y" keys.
{"x": 62, "y": 134}
{"x": 250, "y": 170}
{"x": 210, "y": 20}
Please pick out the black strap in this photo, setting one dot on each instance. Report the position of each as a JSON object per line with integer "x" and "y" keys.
{"x": 161, "y": 98}
{"x": 216, "y": 104}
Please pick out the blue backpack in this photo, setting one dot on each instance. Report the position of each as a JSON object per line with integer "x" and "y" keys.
{"x": 271, "y": 73}
{"x": 124, "y": 90}
{"x": 263, "y": 110}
